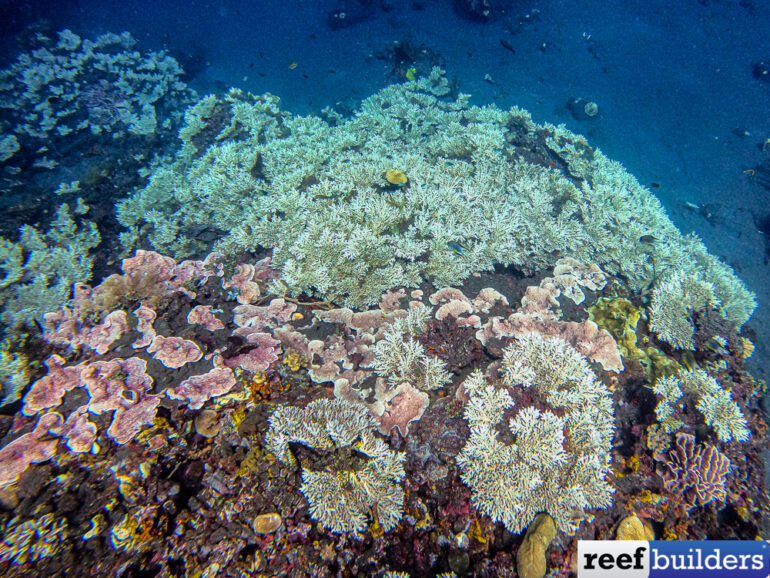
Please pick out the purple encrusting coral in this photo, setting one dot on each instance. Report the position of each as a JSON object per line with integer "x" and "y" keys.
{"x": 698, "y": 472}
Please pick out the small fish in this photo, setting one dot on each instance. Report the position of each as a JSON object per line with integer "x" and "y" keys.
{"x": 507, "y": 45}
{"x": 717, "y": 344}
{"x": 457, "y": 248}
{"x": 649, "y": 239}
{"x": 692, "y": 206}
{"x": 411, "y": 73}
{"x": 292, "y": 66}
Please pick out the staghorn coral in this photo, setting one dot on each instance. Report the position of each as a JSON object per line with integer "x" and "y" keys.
{"x": 558, "y": 460}
{"x": 69, "y": 85}
{"x": 674, "y": 302}
{"x": 341, "y": 500}
{"x": 312, "y": 192}
{"x": 401, "y": 358}
{"x": 13, "y": 374}
{"x": 39, "y": 270}
{"x": 697, "y": 472}
{"x": 715, "y": 404}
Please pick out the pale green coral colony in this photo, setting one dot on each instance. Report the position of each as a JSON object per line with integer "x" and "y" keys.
{"x": 314, "y": 191}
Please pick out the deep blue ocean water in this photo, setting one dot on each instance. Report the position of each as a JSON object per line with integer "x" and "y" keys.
{"x": 678, "y": 104}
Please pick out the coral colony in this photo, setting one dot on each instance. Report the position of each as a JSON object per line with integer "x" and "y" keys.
{"x": 428, "y": 339}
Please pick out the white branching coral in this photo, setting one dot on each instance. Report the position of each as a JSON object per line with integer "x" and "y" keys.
{"x": 38, "y": 271}
{"x": 674, "y": 301}
{"x": 401, "y": 358}
{"x": 715, "y": 403}
{"x": 317, "y": 199}
{"x": 341, "y": 500}
{"x": 670, "y": 400}
{"x": 559, "y": 459}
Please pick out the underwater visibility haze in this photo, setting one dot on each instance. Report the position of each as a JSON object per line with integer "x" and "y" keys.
{"x": 380, "y": 288}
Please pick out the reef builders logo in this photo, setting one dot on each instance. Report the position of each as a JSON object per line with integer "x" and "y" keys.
{"x": 637, "y": 559}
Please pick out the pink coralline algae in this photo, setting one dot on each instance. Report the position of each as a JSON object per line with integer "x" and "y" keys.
{"x": 81, "y": 433}
{"x": 145, "y": 317}
{"x": 48, "y": 391}
{"x": 390, "y": 300}
{"x": 64, "y": 328}
{"x": 101, "y": 336}
{"x": 202, "y": 315}
{"x": 407, "y": 405}
{"x": 169, "y": 275}
{"x": 253, "y": 318}
{"x": 117, "y": 385}
{"x": 174, "y": 352}
{"x": 196, "y": 390}
{"x": 145, "y": 262}
{"x": 129, "y": 420}
{"x": 540, "y": 313}
{"x": 697, "y": 472}
{"x": 32, "y": 448}
{"x": 257, "y": 358}
{"x": 243, "y": 280}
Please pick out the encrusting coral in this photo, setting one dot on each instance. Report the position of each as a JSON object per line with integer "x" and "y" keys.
{"x": 559, "y": 459}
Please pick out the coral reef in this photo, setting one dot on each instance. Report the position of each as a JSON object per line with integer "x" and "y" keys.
{"x": 341, "y": 500}
{"x": 313, "y": 192}
{"x": 558, "y": 461}
{"x": 393, "y": 364}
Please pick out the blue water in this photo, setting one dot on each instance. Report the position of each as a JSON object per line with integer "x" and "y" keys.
{"x": 672, "y": 81}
